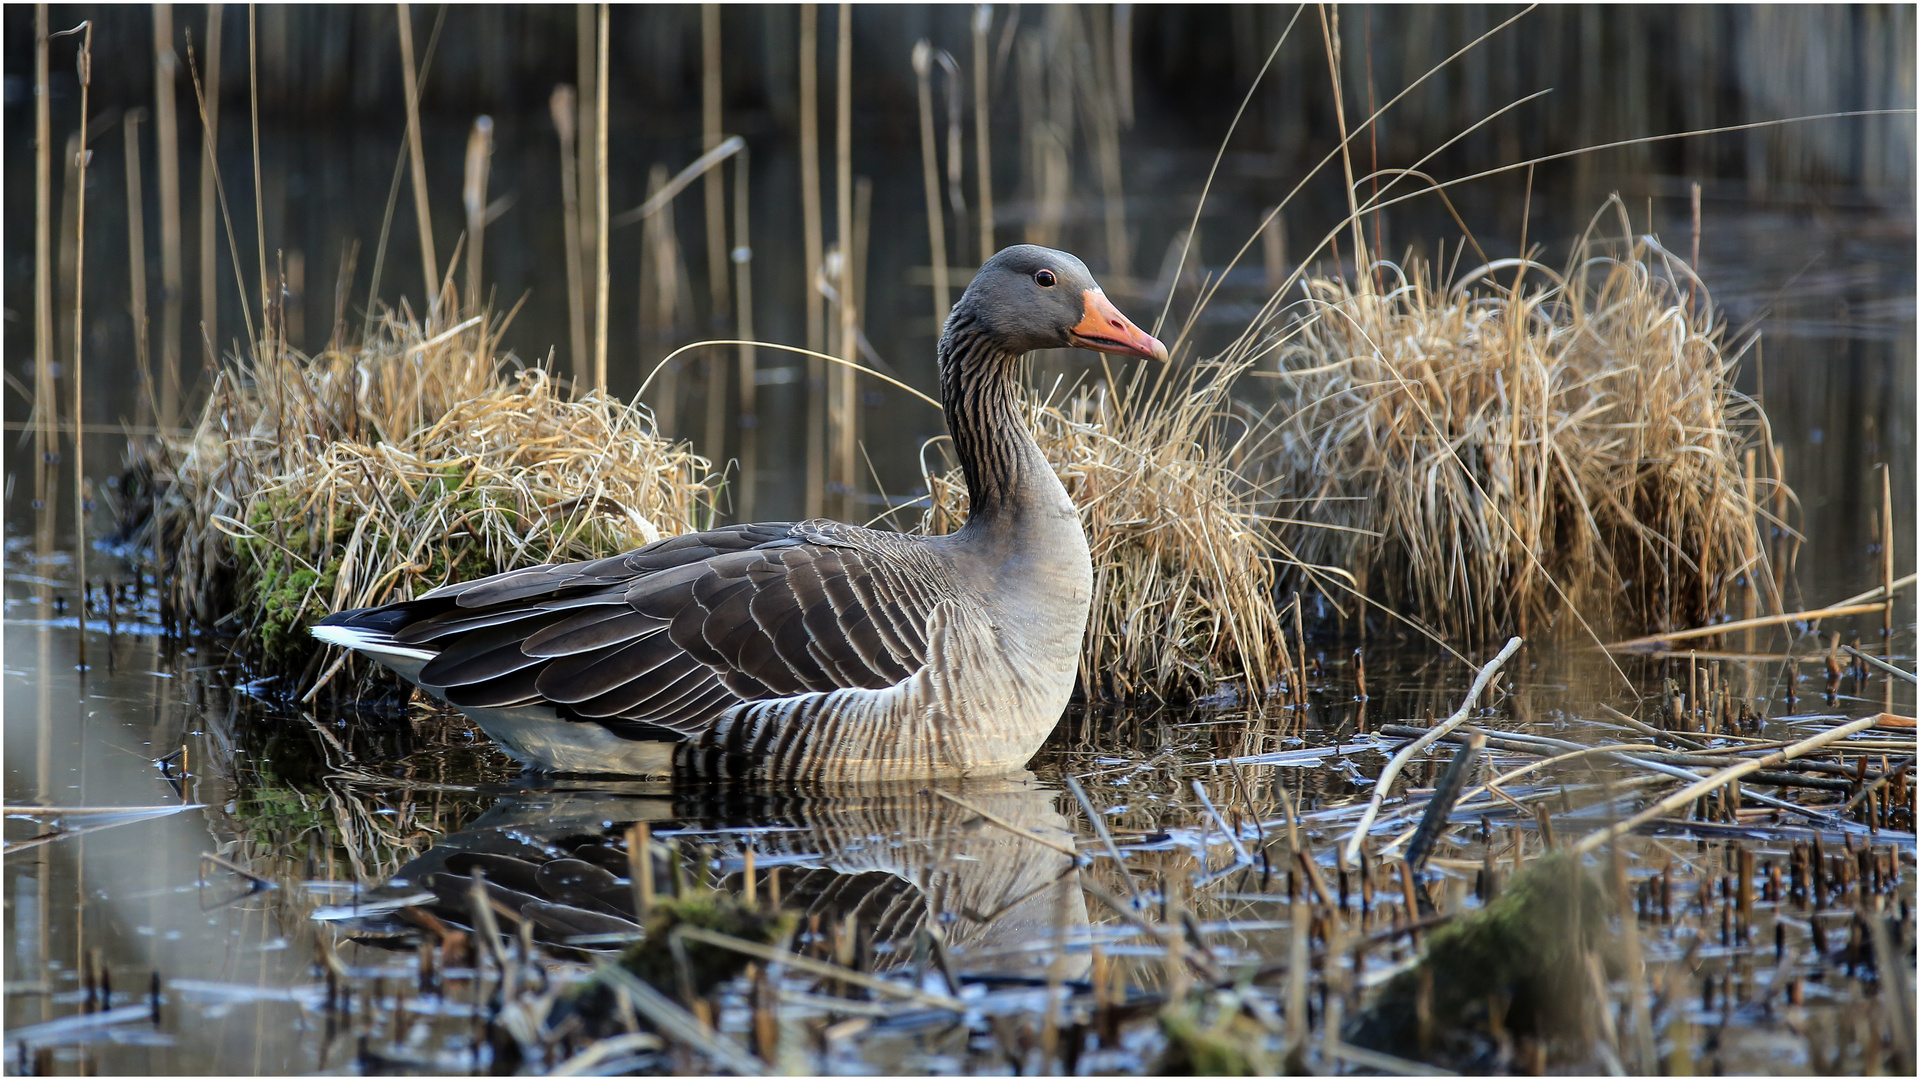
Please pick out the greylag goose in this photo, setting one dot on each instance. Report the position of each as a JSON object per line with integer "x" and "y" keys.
{"x": 808, "y": 651}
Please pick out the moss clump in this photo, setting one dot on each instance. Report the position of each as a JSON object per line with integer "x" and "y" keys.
{"x": 1233, "y": 1044}
{"x": 652, "y": 957}
{"x": 1517, "y": 966}
{"x": 286, "y": 591}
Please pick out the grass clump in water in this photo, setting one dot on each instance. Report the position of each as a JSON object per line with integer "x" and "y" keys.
{"x": 1519, "y": 966}
{"x": 1183, "y": 599}
{"x": 1497, "y": 447}
{"x": 362, "y": 476}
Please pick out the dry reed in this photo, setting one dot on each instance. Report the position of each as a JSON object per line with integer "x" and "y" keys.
{"x": 1495, "y": 447}
{"x": 1183, "y": 586}
{"x": 365, "y": 476}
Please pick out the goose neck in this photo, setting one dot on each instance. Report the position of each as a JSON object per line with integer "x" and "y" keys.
{"x": 979, "y": 390}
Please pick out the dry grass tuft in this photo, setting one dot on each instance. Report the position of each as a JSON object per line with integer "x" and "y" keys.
{"x": 1183, "y": 602}
{"x": 362, "y": 476}
{"x": 1497, "y": 447}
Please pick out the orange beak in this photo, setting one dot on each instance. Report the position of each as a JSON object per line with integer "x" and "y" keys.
{"x": 1105, "y": 330}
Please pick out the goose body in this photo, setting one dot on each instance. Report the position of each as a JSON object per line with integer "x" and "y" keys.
{"x": 807, "y": 651}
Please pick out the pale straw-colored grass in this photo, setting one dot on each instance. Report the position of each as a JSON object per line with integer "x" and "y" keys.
{"x": 1496, "y": 447}
{"x": 368, "y": 475}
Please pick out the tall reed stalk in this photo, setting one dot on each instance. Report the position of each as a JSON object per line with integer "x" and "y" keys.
{"x": 841, "y": 419}
{"x": 562, "y": 103}
{"x": 267, "y": 291}
{"x": 586, "y": 173}
{"x": 930, "y": 172}
{"x": 137, "y": 267}
{"x": 983, "y": 128}
{"x": 601, "y": 221}
{"x": 416, "y": 157}
{"x": 813, "y": 233}
{"x": 84, "y": 64}
{"x": 749, "y": 364}
{"x": 44, "y": 414}
{"x": 166, "y": 139}
{"x": 209, "y": 181}
{"x": 715, "y": 201}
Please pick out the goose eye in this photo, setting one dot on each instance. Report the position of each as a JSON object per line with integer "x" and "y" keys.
{"x": 1044, "y": 279}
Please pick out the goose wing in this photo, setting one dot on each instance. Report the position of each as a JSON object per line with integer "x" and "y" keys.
{"x": 657, "y": 642}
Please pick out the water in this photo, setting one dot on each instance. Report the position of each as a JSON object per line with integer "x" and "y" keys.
{"x": 320, "y": 807}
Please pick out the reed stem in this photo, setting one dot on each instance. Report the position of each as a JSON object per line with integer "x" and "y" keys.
{"x": 209, "y": 176}
{"x": 166, "y": 135}
{"x": 749, "y": 365}
{"x": 265, "y": 280}
{"x": 841, "y": 476}
{"x": 474, "y": 196}
{"x": 409, "y": 77}
{"x": 585, "y": 174}
{"x": 600, "y": 203}
{"x": 982, "y": 128}
{"x": 813, "y": 241}
{"x": 716, "y": 196}
{"x": 44, "y": 406}
{"x": 563, "y": 104}
{"x": 137, "y": 266}
{"x": 84, "y": 62}
{"x": 930, "y": 173}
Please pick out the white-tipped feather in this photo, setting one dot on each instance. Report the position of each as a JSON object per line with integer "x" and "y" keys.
{"x": 404, "y": 661}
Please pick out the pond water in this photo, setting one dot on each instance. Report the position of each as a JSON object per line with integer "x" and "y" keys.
{"x": 250, "y": 896}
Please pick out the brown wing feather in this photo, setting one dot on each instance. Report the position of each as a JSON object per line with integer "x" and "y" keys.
{"x": 670, "y": 635}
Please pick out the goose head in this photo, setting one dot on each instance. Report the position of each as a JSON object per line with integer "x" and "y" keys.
{"x": 1029, "y": 297}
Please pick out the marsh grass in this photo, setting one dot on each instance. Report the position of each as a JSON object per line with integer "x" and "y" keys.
{"x": 365, "y": 475}
{"x": 1495, "y": 446}
{"x": 1183, "y": 585}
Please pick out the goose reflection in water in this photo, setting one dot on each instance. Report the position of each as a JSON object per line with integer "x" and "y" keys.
{"x": 899, "y": 859}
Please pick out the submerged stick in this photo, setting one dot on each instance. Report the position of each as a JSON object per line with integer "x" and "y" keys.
{"x": 1882, "y": 665}
{"x": 1407, "y": 752}
{"x": 1007, "y": 825}
{"x": 1442, "y": 803}
{"x": 675, "y": 1022}
{"x": 1717, "y": 780}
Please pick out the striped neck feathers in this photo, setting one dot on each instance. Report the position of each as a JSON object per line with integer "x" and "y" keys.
{"x": 980, "y": 396}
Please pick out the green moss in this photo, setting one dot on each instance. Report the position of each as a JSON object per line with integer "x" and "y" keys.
{"x": 1234, "y": 1044}
{"x": 1520, "y": 961}
{"x": 652, "y": 959}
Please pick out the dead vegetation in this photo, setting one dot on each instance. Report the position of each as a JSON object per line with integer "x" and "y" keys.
{"x": 364, "y": 475}
{"x": 1493, "y": 447}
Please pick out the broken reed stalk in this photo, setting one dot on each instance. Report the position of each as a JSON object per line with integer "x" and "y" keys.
{"x": 210, "y": 211}
{"x": 166, "y": 134}
{"x": 84, "y": 63}
{"x": 749, "y": 418}
{"x": 1717, "y": 780}
{"x": 423, "y": 218}
{"x": 563, "y": 105}
{"x": 1886, "y": 549}
{"x": 1399, "y": 760}
{"x": 473, "y": 196}
{"x": 929, "y": 176}
{"x": 600, "y": 276}
{"x": 813, "y": 239}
